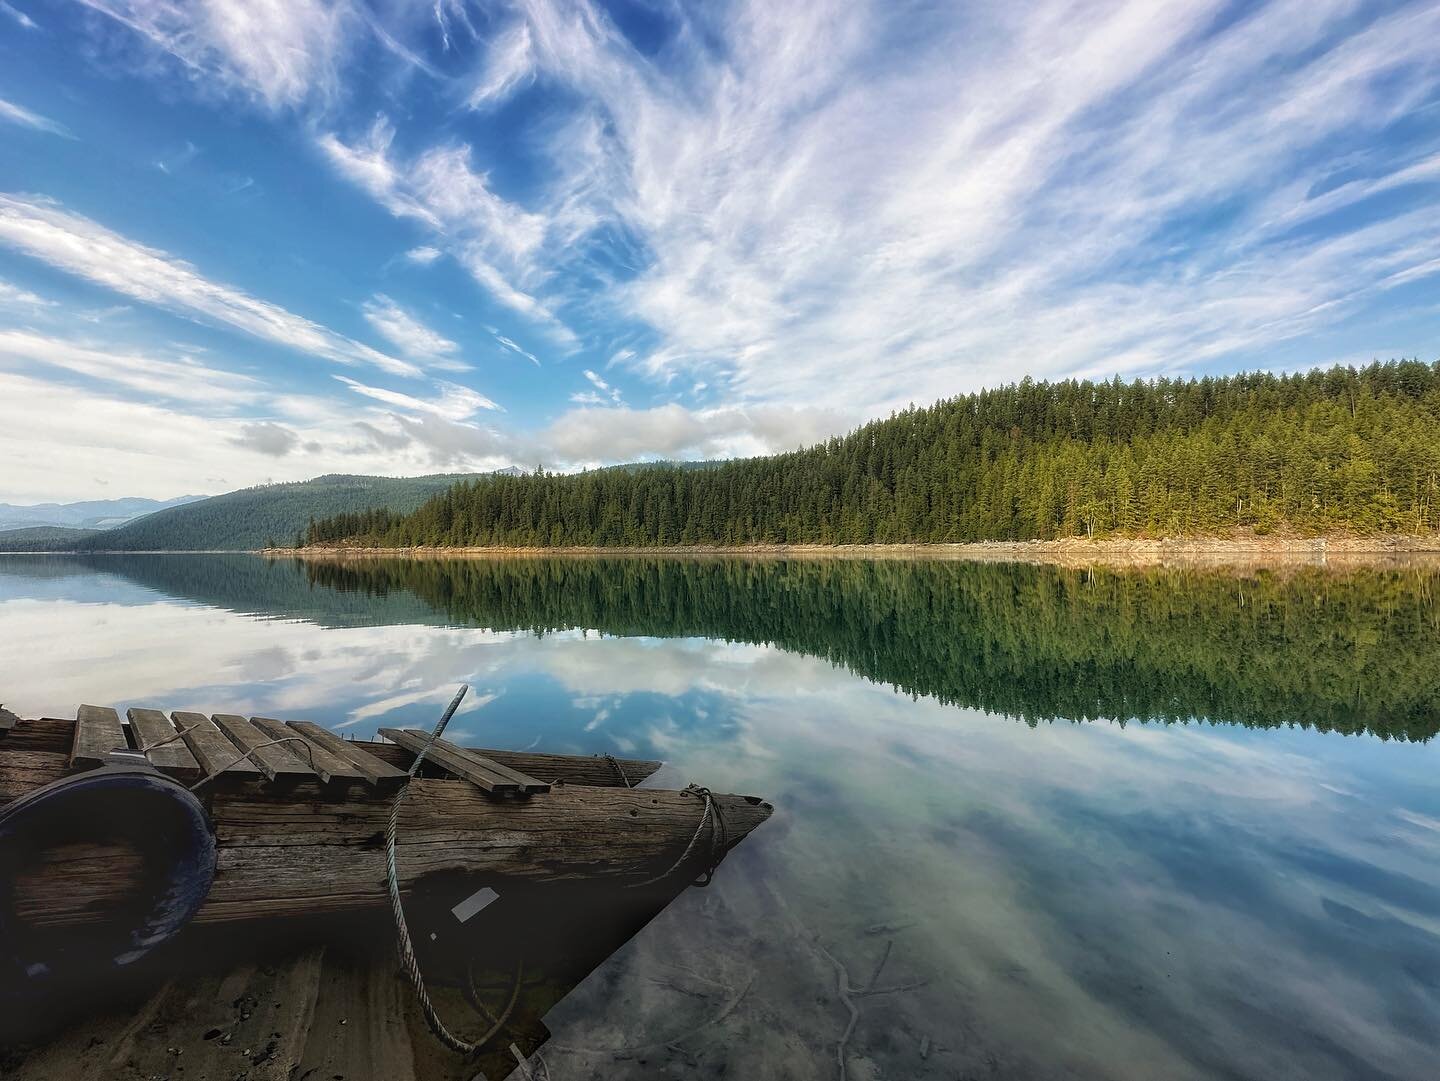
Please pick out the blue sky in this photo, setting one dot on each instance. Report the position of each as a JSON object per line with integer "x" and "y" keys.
{"x": 263, "y": 241}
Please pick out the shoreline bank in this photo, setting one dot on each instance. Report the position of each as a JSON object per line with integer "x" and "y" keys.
{"x": 1070, "y": 551}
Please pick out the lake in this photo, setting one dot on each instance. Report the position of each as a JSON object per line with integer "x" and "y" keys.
{"x": 1097, "y": 823}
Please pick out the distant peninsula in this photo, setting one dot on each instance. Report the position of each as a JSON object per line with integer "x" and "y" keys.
{"x": 1346, "y": 458}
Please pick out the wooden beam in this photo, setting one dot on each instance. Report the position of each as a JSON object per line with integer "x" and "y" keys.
{"x": 449, "y": 757}
{"x": 331, "y": 767}
{"x": 97, "y": 733}
{"x": 211, "y": 749}
{"x": 529, "y": 786}
{"x": 277, "y": 763}
{"x": 152, "y": 729}
{"x": 588, "y": 769}
{"x": 379, "y": 773}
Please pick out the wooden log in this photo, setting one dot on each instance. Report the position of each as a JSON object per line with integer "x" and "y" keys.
{"x": 23, "y": 770}
{"x": 281, "y": 856}
{"x": 595, "y": 770}
{"x": 152, "y": 731}
{"x": 42, "y": 734}
{"x": 331, "y": 768}
{"x": 211, "y": 749}
{"x": 97, "y": 733}
{"x": 276, "y": 762}
{"x": 449, "y": 757}
{"x": 529, "y": 786}
{"x": 285, "y": 856}
{"x": 379, "y": 773}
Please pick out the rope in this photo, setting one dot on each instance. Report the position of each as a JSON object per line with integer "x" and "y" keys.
{"x": 408, "y": 961}
{"x": 619, "y": 769}
{"x": 309, "y": 751}
{"x": 719, "y": 841}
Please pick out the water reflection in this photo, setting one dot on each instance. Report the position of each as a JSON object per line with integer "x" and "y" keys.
{"x": 1080, "y": 900}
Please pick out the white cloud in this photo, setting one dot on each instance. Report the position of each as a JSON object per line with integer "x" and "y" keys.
{"x": 267, "y": 437}
{"x": 515, "y": 347}
{"x": 409, "y": 335}
{"x": 82, "y": 247}
{"x": 455, "y": 402}
{"x": 19, "y": 16}
{"x": 280, "y": 52}
{"x": 498, "y": 242}
{"x": 507, "y": 65}
{"x": 618, "y": 433}
{"x": 820, "y": 222}
{"x": 15, "y": 297}
{"x": 613, "y": 393}
{"x": 164, "y": 378}
{"x": 16, "y": 114}
{"x": 423, "y": 255}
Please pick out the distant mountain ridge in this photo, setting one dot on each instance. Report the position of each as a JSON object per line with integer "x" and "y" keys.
{"x": 270, "y": 514}
{"x": 86, "y": 514}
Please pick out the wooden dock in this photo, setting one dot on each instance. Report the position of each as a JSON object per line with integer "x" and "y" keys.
{"x": 505, "y": 858}
{"x": 299, "y": 825}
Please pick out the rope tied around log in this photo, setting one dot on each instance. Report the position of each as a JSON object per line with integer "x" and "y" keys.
{"x": 719, "y": 841}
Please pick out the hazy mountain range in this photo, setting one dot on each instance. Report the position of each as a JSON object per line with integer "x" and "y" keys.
{"x": 89, "y": 514}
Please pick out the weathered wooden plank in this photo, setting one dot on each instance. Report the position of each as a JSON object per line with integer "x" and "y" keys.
{"x": 528, "y": 785}
{"x": 152, "y": 731}
{"x": 97, "y": 733}
{"x": 331, "y": 768}
{"x": 448, "y": 756}
{"x": 594, "y": 770}
{"x": 211, "y": 749}
{"x": 276, "y": 762}
{"x": 376, "y": 771}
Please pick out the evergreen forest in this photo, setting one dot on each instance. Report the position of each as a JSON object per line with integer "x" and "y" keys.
{"x": 1344, "y": 450}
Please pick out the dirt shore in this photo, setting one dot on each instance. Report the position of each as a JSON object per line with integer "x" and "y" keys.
{"x": 1241, "y": 550}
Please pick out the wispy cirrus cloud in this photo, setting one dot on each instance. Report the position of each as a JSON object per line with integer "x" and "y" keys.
{"x": 279, "y": 52}
{"x": 500, "y": 243}
{"x": 157, "y": 377}
{"x": 409, "y": 335}
{"x": 19, "y": 16}
{"x": 455, "y": 402}
{"x": 17, "y": 114}
{"x": 79, "y": 246}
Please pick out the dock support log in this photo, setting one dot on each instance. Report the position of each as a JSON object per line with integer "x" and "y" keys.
{"x": 282, "y": 856}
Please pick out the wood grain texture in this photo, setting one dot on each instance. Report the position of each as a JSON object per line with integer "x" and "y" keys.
{"x": 447, "y": 755}
{"x": 529, "y": 786}
{"x": 593, "y": 770}
{"x": 276, "y": 762}
{"x": 211, "y": 749}
{"x": 376, "y": 771}
{"x": 97, "y": 732}
{"x": 152, "y": 729}
{"x": 280, "y": 856}
{"x": 331, "y": 768}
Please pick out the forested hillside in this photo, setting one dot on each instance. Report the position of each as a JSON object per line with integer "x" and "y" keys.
{"x": 42, "y": 538}
{"x": 1342, "y": 450}
{"x": 263, "y": 516}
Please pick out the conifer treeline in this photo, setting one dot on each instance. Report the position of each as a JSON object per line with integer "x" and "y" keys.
{"x": 1345, "y": 450}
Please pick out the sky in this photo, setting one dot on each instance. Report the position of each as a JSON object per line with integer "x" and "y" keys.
{"x": 244, "y": 243}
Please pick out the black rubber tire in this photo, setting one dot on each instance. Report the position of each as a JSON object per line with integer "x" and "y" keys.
{"x": 133, "y": 805}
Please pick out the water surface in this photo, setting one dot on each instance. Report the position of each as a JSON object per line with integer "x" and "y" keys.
{"x": 1144, "y": 824}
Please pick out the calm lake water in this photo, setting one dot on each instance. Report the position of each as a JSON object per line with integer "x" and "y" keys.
{"x": 1158, "y": 824}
